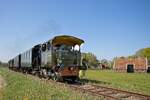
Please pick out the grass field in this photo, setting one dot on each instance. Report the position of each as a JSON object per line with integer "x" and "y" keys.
{"x": 20, "y": 87}
{"x": 137, "y": 82}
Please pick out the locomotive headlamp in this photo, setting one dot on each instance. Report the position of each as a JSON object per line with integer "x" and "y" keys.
{"x": 76, "y": 47}
{"x": 71, "y": 68}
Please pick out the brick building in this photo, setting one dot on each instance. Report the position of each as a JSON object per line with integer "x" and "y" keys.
{"x": 131, "y": 64}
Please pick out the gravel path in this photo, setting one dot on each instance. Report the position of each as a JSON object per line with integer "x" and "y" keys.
{"x": 2, "y": 82}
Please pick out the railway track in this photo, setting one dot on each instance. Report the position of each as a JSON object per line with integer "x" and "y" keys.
{"x": 101, "y": 91}
{"x": 110, "y": 93}
{"x": 106, "y": 92}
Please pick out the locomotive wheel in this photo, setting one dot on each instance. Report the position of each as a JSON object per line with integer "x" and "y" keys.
{"x": 74, "y": 79}
{"x": 55, "y": 77}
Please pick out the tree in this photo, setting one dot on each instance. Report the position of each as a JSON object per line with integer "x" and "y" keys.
{"x": 145, "y": 52}
{"x": 104, "y": 61}
{"x": 107, "y": 63}
{"x": 91, "y": 59}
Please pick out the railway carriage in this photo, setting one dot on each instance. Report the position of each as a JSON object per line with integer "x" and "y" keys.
{"x": 30, "y": 60}
{"x": 11, "y": 63}
{"x": 17, "y": 61}
{"x": 26, "y": 63}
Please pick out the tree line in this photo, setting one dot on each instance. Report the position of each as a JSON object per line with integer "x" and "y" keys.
{"x": 2, "y": 64}
{"x": 93, "y": 62}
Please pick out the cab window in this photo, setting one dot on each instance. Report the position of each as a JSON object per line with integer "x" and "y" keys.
{"x": 48, "y": 46}
{"x": 44, "y": 47}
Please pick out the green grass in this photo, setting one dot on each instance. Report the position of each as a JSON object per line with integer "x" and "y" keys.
{"x": 137, "y": 82}
{"x": 18, "y": 87}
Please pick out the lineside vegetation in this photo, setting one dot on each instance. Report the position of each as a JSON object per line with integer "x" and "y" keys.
{"x": 137, "y": 82}
{"x": 22, "y": 87}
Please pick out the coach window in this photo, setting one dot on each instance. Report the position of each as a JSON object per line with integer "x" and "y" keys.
{"x": 48, "y": 46}
{"x": 44, "y": 47}
{"x": 29, "y": 54}
{"x": 26, "y": 54}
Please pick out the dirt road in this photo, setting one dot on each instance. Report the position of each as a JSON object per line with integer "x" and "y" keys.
{"x": 2, "y": 82}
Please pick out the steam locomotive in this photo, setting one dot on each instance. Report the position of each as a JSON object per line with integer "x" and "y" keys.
{"x": 58, "y": 59}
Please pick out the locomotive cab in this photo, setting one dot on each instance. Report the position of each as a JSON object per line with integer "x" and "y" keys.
{"x": 67, "y": 58}
{"x": 67, "y": 55}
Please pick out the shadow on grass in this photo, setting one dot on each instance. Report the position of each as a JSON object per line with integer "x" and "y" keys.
{"x": 94, "y": 81}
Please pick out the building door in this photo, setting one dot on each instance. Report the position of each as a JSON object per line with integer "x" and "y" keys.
{"x": 148, "y": 70}
{"x": 130, "y": 68}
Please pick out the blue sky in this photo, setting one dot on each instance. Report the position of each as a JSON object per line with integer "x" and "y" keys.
{"x": 110, "y": 28}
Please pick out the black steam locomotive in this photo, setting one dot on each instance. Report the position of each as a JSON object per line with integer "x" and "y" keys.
{"x": 58, "y": 58}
